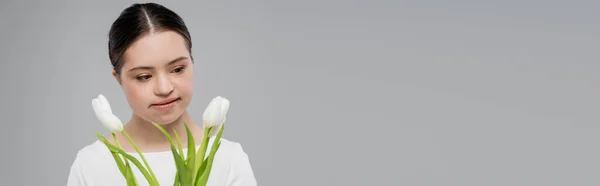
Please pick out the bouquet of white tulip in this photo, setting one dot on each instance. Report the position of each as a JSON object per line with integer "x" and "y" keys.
{"x": 192, "y": 170}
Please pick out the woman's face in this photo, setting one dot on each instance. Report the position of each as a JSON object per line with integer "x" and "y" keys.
{"x": 158, "y": 77}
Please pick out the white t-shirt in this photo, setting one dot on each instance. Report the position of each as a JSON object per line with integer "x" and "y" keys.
{"x": 95, "y": 166}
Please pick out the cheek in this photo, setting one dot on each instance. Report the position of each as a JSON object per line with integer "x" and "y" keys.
{"x": 186, "y": 84}
{"x": 135, "y": 94}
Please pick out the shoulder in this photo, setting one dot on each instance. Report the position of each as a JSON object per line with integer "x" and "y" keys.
{"x": 92, "y": 151}
{"x": 92, "y": 157}
{"x": 237, "y": 162}
{"x": 89, "y": 160}
{"x": 229, "y": 147}
{"x": 86, "y": 152}
{"x": 232, "y": 152}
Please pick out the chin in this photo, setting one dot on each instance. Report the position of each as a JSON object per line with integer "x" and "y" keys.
{"x": 166, "y": 119}
{"x": 162, "y": 118}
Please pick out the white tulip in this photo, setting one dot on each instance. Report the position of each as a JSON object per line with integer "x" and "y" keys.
{"x": 215, "y": 114}
{"x": 104, "y": 114}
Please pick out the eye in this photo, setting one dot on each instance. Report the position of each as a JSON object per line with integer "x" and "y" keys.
{"x": 143, "y": 77}
{"x": 178, "y": 69}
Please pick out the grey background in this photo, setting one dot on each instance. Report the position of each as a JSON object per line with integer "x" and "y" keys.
{"x": 436, "y": 93}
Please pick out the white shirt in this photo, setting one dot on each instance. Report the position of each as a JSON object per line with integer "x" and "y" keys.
{"x": 95, "y": 166}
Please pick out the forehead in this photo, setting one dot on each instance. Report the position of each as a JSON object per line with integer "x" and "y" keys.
{"x": 155, "y": 49}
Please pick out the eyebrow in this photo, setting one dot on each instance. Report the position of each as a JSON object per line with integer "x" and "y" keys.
{"x": 150, "y": 67}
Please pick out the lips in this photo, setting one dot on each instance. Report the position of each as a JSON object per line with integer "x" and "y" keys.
{"x": 165, "y": 102}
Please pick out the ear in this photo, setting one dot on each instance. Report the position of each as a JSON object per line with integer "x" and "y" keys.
{"x": 114, "y": 73}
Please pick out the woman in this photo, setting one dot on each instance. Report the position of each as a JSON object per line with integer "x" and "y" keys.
{"x": 150, "y": 50}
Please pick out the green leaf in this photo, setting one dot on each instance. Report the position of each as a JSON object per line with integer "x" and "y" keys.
{"x": 179, "y": 163}
{"x": 191, "y": 157}
{"x": 176, "y": 183}
{"x": 137, "y": 163}
{"x": 119, "y": 162}
{"x": 130, "y": 177}
{"x": 127, "y": 172}
{"x": 179, "y": 144}
{"x": 202, "y": 151}
{"x": 191, "y": 147}
{"x": 117, "y": 158}
{"x": 183, "y": 171}
{"x": 208, "y": 165}
{"x": 154, "y": 180}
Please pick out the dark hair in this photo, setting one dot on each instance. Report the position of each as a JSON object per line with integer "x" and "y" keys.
{"x": 140, "y": 19}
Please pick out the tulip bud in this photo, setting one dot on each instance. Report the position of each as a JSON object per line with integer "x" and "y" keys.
{"x": 215, "y": 114}
{"x": 104, "y": 114}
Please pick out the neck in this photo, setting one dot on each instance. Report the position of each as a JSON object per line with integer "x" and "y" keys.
{"x": 149, "y": 138}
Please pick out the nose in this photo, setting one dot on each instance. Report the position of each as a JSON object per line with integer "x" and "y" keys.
{"x": 163, "y": 87}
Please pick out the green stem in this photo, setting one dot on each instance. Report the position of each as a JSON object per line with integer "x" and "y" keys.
{"x": 143, "y": 158}
{"x": 201, "y": 152}
{"x": 179, "y": 145}
{"x": 118, "y": 160}
{"x": 176, "y": 183}
{"x": 207, "y": 167}
{"x": 127, "y": 166}
{"x": 191, "y": 157}
{"x": 133, "y": 160}
{"x": 116, "y": 140}
{"x": 182, "y": 169}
